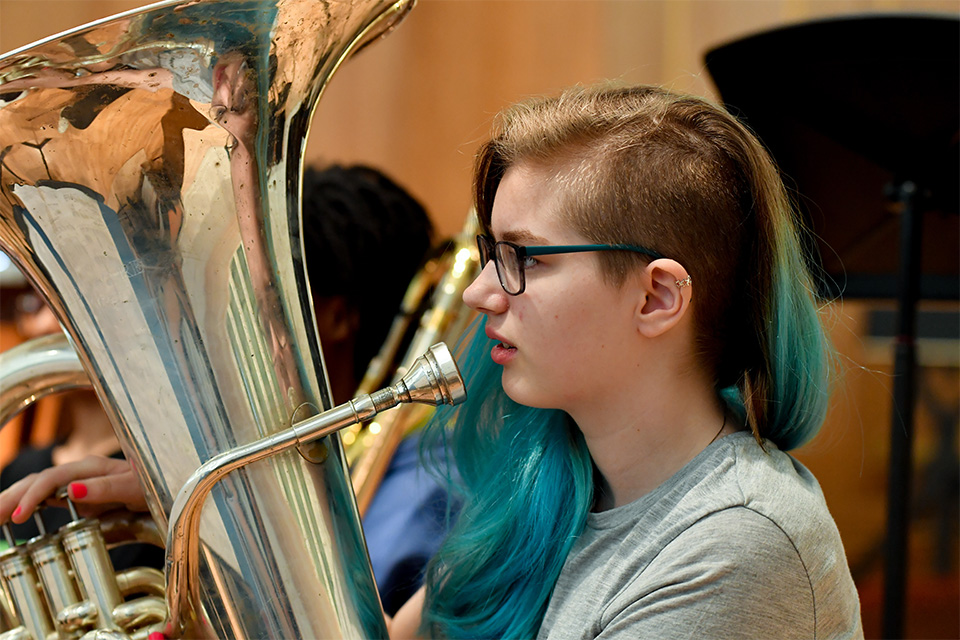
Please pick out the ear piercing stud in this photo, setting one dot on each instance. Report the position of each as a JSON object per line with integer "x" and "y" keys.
{"x": 684, "y": 283}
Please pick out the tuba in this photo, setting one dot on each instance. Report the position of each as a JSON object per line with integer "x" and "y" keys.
{"x": 149, "y": 189}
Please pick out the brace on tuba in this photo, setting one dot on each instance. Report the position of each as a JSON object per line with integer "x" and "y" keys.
{"x": 149, "y": 190}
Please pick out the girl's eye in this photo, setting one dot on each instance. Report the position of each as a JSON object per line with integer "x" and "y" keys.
{"x": 529, "y": 261}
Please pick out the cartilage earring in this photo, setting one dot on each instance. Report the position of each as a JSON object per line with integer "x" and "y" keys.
{"x": 684, "y": 283}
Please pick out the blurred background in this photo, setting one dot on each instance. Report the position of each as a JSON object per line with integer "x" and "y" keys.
{"x": 417, "y": 104}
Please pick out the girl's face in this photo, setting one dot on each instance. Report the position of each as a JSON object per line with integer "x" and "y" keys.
{"x": 559, "y": 341}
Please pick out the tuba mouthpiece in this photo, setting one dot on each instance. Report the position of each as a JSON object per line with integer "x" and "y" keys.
{"x": 433, "y": 379}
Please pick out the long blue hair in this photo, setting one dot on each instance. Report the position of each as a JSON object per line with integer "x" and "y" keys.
{"x": 526, "y": 481}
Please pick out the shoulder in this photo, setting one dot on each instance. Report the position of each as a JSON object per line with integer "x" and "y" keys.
{"x": 738, "y": 544}
{"x": 736, "y": 534}
{"x": 737, "y": 472}
{"x": 737, "y": 559}
{"x": 733, "y": 573}
{"x": 743, "y": 532}
{"x": 776, "y": 486}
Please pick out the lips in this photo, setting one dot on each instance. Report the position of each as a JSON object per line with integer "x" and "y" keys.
{"x": 503, "y": 351}
{"x": 502, "y": 354}
{"x": 493, "y": 335}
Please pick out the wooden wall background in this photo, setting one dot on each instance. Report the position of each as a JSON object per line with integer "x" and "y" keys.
{"x": 418, "y": 103}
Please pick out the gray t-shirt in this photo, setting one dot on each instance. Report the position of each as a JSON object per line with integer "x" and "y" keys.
{"x": 737, "y": 544}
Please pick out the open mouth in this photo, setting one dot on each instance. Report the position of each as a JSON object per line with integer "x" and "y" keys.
{"x": 503, "y": 352}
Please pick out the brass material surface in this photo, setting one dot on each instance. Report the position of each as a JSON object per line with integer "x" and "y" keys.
{"x": 150, "y": 191}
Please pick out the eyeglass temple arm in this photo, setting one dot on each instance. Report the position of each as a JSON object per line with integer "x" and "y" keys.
{"x": 579, "y": 248}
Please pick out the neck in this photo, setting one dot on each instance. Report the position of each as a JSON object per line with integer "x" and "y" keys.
{"x": 641, "y": 438}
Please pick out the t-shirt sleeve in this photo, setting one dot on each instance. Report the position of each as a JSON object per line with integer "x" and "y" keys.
{"x": 733, "y": 574}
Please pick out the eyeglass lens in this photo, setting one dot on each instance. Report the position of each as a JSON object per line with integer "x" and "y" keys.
{"x": 509, "y": 268}
{"x": 506, "y": 261}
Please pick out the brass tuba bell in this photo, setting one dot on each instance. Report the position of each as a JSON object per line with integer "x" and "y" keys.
{"x": 149, "y": 189}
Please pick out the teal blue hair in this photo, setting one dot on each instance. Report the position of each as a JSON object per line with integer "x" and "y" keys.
{"x": 785, "y": 364}
{"x": 796, "y": 352}
{"x": 526, "y": 481}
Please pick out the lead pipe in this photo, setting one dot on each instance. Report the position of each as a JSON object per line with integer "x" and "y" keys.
{"x": 432, "y": 379}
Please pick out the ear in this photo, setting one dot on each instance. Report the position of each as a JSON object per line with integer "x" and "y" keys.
{"x": 667, "y": 293}
{"x": 336, "y": 319}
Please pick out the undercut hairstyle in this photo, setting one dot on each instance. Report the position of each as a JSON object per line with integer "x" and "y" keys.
{"x": 643, "y": 166}
{"x": 640, "y": 166}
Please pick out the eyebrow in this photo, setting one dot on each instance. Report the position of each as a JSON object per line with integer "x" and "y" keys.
{"x": 523, "y": 236}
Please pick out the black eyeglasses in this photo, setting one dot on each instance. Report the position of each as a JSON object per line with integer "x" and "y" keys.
{"x": 509, "y": 258}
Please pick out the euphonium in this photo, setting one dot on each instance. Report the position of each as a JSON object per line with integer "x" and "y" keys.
{"x": 149, "y": 189}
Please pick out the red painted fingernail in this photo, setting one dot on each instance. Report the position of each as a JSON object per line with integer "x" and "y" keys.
{"x": 16, "y": 512}
{"x": 156, "y": 635}
{"x": 78, "y": 490}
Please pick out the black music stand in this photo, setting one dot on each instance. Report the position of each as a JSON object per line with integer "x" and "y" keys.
{"x": 862, "y": 114}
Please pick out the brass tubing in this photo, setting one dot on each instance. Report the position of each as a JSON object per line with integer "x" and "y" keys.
{"x": 182, "y": 556}
{"x": 53, "y": 570}
{"x": 139, "y": 613}
{"x": 370, "y": 453}
{"x": 123, "y": 527}
{"x": 20, "y": 633}
{"x": 8, "y": 621}
{"x": 38, "y": 368}
{"x": 105, "y": 634}
{"x": 93, "y": 569}
{"x": 432, "y": 379}
{"x": 141, "y": 580}
{"x": 77, "y": 618}
{"x": 21, "y": 581}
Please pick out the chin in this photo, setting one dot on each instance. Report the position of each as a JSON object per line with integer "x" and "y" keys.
{"x": 523, "y": 394}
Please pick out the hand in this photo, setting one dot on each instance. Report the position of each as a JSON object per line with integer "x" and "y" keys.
{"x": 95, "y": 484}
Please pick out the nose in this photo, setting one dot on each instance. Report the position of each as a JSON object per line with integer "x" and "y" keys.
{"x": 485, "y": 293}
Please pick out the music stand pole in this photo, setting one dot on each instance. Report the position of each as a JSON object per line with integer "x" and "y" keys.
{"x": 901, "y": 435}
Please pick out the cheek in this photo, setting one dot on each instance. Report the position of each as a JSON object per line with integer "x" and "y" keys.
{"x": 589, "y": 325}
{"x": 567, "y": 330}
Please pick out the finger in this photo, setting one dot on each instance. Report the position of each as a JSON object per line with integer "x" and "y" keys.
{"x": 10, "y": 497}
{"x": 19, "y": 501}
{"x": 119, "y": 488}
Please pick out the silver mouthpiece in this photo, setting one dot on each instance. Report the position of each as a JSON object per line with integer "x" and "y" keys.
{"x": 433, "y": 379}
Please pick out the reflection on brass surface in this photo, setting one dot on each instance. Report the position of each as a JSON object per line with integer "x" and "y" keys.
{"x": 149, "y": 189}
{"x": 37, "y": 368}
